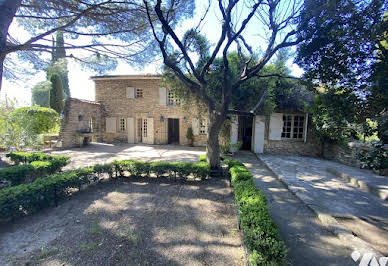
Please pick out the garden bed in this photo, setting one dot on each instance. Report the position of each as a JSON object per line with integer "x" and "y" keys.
{"x": 138, "y": 221}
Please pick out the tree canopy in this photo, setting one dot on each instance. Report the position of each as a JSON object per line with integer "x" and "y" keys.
{"x": 344, "y": 53}
{"x": 40, "y": 94}
{"x": 106, "y": 31}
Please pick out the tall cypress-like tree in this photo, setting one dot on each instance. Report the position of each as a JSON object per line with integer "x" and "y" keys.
{"x": 56, "y": 93}
{"x": 59, "y": 63}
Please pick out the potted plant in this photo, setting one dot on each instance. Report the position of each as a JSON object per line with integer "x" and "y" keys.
{"x": 190, "y": 136}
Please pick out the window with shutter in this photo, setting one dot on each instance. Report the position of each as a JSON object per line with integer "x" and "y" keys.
{"x": 130, "y": 92}
{"x": 110, "y": 124}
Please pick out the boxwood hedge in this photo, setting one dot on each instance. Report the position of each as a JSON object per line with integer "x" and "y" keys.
{"x": 260, "y": 232}
{"x": 25, "y": 199}
{"x": 19, "y": 174}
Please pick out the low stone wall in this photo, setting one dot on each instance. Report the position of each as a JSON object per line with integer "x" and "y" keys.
{"x": 346, "y": 154}
{"x": 291, "y": 147}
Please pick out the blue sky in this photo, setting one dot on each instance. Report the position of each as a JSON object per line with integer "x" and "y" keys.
{"x": 79, "y": 79}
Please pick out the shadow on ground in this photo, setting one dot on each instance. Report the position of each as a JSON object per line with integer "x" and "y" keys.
{"x": 98, "y": 153}
{"x": 308, "y": 242}
{"x": 122, "y": 222}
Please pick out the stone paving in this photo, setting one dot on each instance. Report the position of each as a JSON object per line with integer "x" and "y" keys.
{"x": 98, "y": 153}
{"x": 330, "y": 195}
{"x": 307, "y": 240}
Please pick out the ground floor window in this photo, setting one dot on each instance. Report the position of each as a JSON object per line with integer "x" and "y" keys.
{"x": 202, "y": 127}
{"x": 122, "y": 124}
{"x": 145, "y": 128}
{"x": 293, "y": 126}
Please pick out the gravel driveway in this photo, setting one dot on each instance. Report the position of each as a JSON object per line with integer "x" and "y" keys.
{"x": 130, "y": 222}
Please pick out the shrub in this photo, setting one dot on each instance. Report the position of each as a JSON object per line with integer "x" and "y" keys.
{"x": 261, "y": 233}
{"x": 25, "y": 199}
{"x": 43, "y": 192}
{"x": 19, "y": 174}
{"x": 201, "y": 170}
{"x": 375, "y": 158}
{"x": 28, "y": 157}
{"x": 202, "y": 158}
{"x": 160, "y": 168}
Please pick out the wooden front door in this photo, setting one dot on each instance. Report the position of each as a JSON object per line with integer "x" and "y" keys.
{"x": 173, "y": 131}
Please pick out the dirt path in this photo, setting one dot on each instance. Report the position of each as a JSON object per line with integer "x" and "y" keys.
{"x": 122, "y": 222}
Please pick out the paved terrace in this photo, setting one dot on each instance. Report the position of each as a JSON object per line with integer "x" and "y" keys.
{"x": 312, "y": 180}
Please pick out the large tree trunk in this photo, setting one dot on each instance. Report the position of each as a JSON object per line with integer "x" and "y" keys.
{"x": 212, "y": 145}
{"x": 7, "y": 12}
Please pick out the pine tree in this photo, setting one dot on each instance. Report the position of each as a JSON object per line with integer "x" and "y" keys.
{"x": 56, "y": 93}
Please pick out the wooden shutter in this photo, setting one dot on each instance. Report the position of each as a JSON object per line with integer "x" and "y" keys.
{"x": 149, "y": 139}
{"x": 195, "y": 126}
{"x": 276, "y": 126}
{"x": 234, "y": 129}
{"x": 163, "y": 96}
{"x": 111, "y": 125}
{"x": 130, "y": 92}
{"x": 131, "y": 129}
{"x": 258, "y": 137}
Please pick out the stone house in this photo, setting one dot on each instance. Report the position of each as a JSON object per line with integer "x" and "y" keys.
{"x": 139, "y": 109}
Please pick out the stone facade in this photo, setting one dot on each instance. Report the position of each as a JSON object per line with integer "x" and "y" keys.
{"x": 306, "y": 146}
{"x": 81, "y": 122}
{"x": 113, "y": 93}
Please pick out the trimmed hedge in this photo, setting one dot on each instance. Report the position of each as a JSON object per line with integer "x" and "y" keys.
{"x": 261, "y": 233}
{"x": 25, "y": 199}
{"x": 28, "y": 157}
{"x": 19, "y": 174}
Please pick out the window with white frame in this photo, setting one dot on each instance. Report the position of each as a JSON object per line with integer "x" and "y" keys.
{"x": 202, "y": 127}
{"x": 139, "y": 93}
{"x": 293, "y": 126}
{"x": 172, "y": 99}
{"x": 145, "y": 128}
{"x": 122, "y": 124}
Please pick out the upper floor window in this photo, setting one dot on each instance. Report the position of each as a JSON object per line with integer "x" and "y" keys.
{"x": 202, "y": 127}
{"x": 293, "y": 126}
{"x": 172, "y": 99}
{"x": 139, "y": 93}
{"x": 122, "y": 124}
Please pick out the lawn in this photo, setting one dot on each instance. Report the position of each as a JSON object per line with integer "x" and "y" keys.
{"x": 131, "y": 222}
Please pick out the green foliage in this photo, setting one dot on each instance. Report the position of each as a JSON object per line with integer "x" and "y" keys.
{"x": 36, "y": 119}
{"x": 236, "y": 146}
{"x": 27, "y": 157}
{"x": 340, "y": 40}
{"x": 202, "y": 158}
{"x": 190, "y": 135}
{"x": 20, "y": 127}
{"x": 56, "y": 93}
{"x": 375, "y": 158}
{"x": 41, "y": 94}
{"x": 261, "y": 233}
{"x": 25, "y": 199}
{"x": 335, "y": 116}
{"x": 36, "y": 165}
